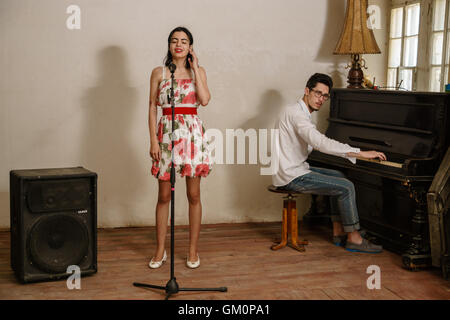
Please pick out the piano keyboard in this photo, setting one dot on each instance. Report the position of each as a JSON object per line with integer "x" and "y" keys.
{"x": 382, "y": 162}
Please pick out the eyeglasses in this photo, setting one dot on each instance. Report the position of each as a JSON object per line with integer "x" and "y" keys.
{"x": 318, "y": 94}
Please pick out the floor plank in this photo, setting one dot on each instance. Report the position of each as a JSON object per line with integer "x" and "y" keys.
{"x": 237, "y": 256}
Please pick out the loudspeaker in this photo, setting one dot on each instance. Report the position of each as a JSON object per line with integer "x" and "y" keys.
{"x": 53, "y": 222}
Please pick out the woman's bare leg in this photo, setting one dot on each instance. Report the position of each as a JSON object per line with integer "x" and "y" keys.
{"x": 162, "y": 215}
{"x": 195, "y": 215}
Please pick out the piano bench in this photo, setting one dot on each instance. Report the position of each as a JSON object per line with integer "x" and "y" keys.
{"x": 289, "y": 222}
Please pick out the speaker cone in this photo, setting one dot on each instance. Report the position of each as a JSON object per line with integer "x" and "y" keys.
{"x": 57, "y": 241}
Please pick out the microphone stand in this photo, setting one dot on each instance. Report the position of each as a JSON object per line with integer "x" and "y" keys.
{"x": 172, "y": 286}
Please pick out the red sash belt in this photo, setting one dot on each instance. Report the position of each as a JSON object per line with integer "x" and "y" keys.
{"x": 179, "y": 110}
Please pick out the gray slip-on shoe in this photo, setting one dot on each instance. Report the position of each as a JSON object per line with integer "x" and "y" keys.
{"x": 365, "y": 246}
{"x": 364, "y": 234}
{"x": 340, "y": 240}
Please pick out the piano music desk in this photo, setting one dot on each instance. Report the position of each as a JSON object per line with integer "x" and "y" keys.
{"x": 289, "y": 223}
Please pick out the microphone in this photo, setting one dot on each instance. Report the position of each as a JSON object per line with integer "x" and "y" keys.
{"x": 172, "y": 67}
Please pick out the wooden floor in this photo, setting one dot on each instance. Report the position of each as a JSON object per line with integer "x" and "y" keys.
{"x": 237, "y": 256}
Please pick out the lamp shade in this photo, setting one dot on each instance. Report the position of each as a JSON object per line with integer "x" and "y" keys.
{"x": 356, "y": 37}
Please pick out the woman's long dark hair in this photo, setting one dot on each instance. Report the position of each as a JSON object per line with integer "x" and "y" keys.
{"x": 168, "y": 58}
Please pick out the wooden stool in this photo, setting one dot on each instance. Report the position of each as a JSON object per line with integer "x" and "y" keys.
{"x": 289, "y": 222}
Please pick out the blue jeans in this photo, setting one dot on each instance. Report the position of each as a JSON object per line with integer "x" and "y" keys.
{"x": 333, "y": 183}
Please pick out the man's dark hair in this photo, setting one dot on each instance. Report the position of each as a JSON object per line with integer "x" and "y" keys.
{"x": 319, "y": 77}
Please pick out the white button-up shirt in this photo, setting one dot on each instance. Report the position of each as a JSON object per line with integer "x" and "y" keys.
{"x": 298, "y": 136}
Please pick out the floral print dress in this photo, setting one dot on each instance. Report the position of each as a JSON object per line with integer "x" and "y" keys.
{"x": 192, "y": 155}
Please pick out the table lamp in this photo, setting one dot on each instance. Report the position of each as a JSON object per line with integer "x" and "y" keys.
{"x": 356, "y": 39}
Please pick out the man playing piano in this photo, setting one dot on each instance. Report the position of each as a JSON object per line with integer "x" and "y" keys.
{"x": 298, "y": 136}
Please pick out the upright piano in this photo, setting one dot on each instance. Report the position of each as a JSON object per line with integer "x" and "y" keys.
{"x": 412, "y": 129}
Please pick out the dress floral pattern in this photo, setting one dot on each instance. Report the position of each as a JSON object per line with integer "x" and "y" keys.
{"x": 192, "y": 155}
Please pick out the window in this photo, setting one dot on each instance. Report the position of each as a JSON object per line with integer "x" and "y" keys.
{"x": 403, "y": 44}
{"x": 439, "y": 57}
{"x": 419, "y": 45}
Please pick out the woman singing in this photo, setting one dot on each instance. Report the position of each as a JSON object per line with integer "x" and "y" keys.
{"x": 191, "y": 151}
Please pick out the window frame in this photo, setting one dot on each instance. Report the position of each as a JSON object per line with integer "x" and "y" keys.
{"x": 395, "y": 5}
{"x": 421, "y": 80}
{"x": 443, "y": 63}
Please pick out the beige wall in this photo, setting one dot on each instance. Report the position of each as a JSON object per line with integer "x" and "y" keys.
{"x": 80, "y": 97}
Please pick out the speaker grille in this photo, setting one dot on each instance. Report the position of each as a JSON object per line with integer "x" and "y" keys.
{"x": 48, "y": 196}
{"x": 57, "y": 241}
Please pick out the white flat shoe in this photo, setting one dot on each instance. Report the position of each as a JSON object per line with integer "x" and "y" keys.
{"x": 157, "y": 264}
{"x": 193, "y": 265}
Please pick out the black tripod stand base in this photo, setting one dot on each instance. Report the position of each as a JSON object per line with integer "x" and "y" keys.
{"x": 144, "y": 285}
{"x": 172, "y": 287}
